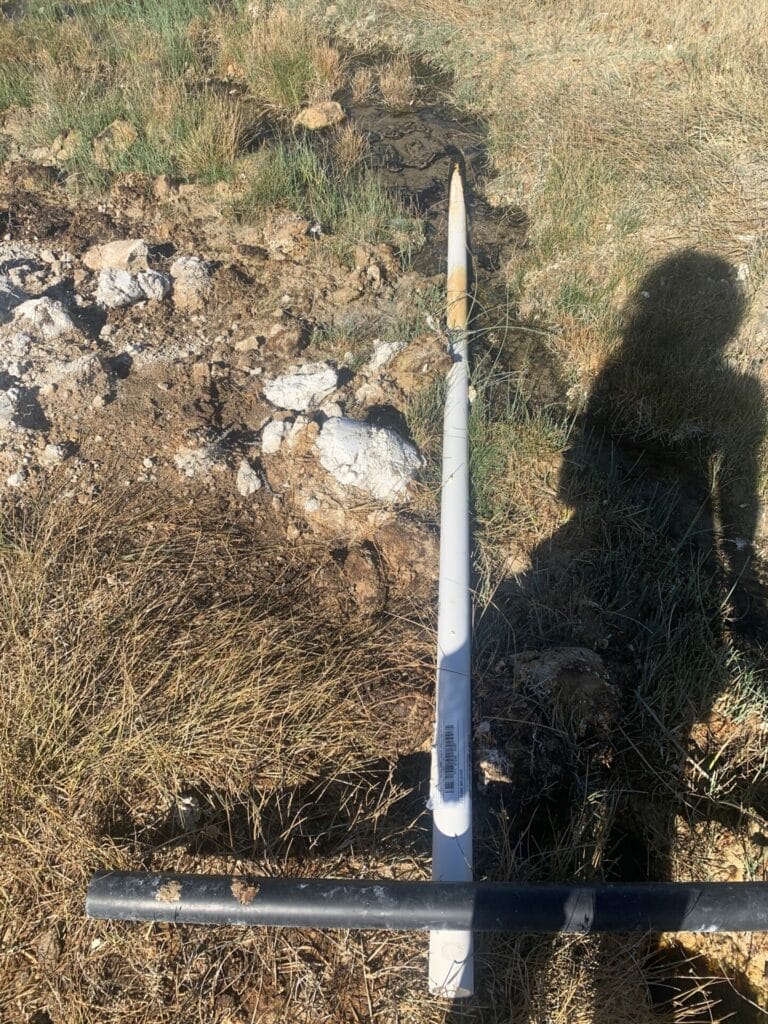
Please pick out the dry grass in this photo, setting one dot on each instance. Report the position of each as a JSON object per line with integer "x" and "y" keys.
{"x": 148, "y": 663}
{"x": 281, "y": 58}
{"x": 150, "y": 653}
{"x": 625, "y": 134}
{"x": 350, "y": 148}
{"x": 397, "y": 85}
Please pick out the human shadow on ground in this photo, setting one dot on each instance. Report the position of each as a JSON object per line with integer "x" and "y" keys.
{"x": 655, "y": 570}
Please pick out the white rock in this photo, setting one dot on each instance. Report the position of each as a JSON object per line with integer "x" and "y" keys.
{"x": 373, "y": 459}
{"x": 272, "y": 436}
{"x": 192, "y": 283}
{"x": 10, "y": 296}
{"x": 154, "y": 284}
{"x": 53, "y": 454}
{"x": 17, "y": 479}
{"x": 302, "y": 387}
{"x": 383, "y": 352}
{"x": 9, "y": 402}
{"x": 124, "y": 254}
{"x": 46, "y": 316}
{"x": 196, "y": 462}
{"x": 117, "y": 288}
{"x": 248, "y": 479}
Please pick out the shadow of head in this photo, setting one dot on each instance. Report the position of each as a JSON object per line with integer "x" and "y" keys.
{"x": 667, "y": 382}
{"x": 688, "y": 305}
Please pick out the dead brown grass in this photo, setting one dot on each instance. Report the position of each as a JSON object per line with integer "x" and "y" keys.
{"x": 398, "y": 87}
{"x": 153, "y": 653}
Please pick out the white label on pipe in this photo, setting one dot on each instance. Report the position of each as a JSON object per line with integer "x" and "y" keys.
{"x": 453, "y": 763}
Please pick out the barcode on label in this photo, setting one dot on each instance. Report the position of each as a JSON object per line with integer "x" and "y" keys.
{"x": 449, "y": 759}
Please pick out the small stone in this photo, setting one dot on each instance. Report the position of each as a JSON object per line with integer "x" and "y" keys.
{"x": 320, "y": 115}
{"x": 53, "y": 455}
{"x": 46, "y": 316}
{"x": 248, "y": 479}
{"x": 162, "y": 186}
{"x": 187, "y": 812}
{"x": 118, "y": 288}
{"x": 123, "y": 254}
{"x": 155, "y": 285}
{"x": 272, "y": 436}
{"x": 373, "y": 459}
{"x": 192, "y": 285}
{"x": 302, "y": 387}
{"x": 99, "y": 402}
{"x": 66, "y": 145}
{"x": 383, "y": 352}
{"x": 9, "y": 401}
{"x": 18, "y": 478}
{"x": 285, "y": 339}
{"x": 49, "y": 947}
{"x": 10, "y": 296}
{"x": 252, "y": 343}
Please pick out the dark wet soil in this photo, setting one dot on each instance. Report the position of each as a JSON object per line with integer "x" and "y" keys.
{"x": 413, "y": 153}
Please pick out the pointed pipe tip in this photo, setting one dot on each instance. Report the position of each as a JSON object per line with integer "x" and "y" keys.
{"x": 458, "y": 277}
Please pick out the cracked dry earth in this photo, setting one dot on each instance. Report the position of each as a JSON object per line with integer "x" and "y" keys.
{"x": 150, "y": 340}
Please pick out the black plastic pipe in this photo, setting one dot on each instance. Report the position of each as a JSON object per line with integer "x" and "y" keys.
{"x": 422, "y": 906}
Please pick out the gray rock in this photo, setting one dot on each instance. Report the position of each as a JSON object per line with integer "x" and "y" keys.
{"x": 383, "y": 353}
{"x": 303, "y": 387}
{"x": 45, "y": 317}
{"x": 118, "y": 288}
{"x": 248, "y": 479}
{"x": 10, "y": 296}
{"x": 192, "y": 285}
{"x": 373, "y": 459}
{"x": 9, "y": 402}
{"x": 272, "y": 436}
{"x": 154, "y": 284}
{"x": 17, "y": 479}
{"x": 53, "y": 455}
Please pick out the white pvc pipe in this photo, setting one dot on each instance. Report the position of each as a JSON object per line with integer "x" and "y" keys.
{"x": 451, "y": 970}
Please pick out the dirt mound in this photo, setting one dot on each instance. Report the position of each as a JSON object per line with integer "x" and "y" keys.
{"x": 172, "y": 349}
